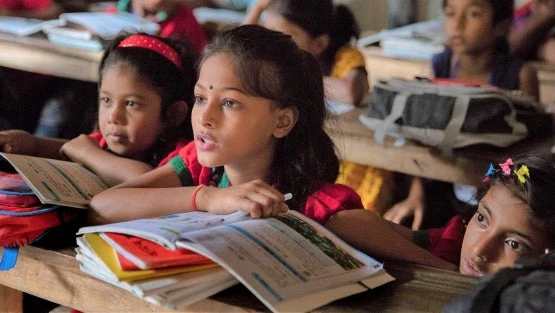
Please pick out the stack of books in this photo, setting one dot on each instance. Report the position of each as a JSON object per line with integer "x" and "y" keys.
{"x": 289, "y": 262}
{"x": 93, "y": 30}
{"x": 149, "y": 271}
{"x": 415, "y": 41}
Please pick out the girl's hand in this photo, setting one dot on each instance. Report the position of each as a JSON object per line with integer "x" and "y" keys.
{"x": 405, "y": 209}
{"x": 18, "y": 142}
{"x": 256, "y": 197}
{"x": 412, "y": 206}
{"x": 77, "y": 148}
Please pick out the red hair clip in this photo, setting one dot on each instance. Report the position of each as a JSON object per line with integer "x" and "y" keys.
{"x": 154, "y": 44}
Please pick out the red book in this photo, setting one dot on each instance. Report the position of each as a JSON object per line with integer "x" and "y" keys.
{"x": 138, "y": 253}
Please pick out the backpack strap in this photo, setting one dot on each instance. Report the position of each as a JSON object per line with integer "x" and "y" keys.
{"x": 397, "y": 109}
{"x": 453, "y": 128}
{"x": 9, "y": 257}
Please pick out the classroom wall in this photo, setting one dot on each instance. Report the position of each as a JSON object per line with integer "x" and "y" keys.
{"x": 373, "y": 14}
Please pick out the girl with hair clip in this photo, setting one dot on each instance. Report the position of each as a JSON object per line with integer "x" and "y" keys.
{"x": 514, "y": 217}
{"x": 258, "y": 97}
{"x": 145, "y": 90}
{"x": 325, "y": 32}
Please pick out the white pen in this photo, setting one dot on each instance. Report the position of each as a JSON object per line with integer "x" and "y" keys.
{"x": 287, "y": 196}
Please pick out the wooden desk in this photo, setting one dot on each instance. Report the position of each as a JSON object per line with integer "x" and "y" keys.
{"x": 381, "y": 67}
{"x": 356, "y": 143}
{"x": 55, "y": 276}
{"x": 39, "y": 56}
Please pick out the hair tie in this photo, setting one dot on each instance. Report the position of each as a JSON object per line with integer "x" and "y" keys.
{"x": 153, "y": 44}
{"x": 506, "y": 169}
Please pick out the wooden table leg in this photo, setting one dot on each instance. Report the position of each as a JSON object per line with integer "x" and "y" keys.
{"x": 11, "y": 300}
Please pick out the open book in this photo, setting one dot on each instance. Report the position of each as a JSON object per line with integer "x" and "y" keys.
{"x": 289, "y": 262}
{"x": 55, "y": 181}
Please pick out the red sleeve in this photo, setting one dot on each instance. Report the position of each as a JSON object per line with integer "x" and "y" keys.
{"x": 331, "y": 198}
{"x": 446, "y": 242}
{"x": 98, "y": 136}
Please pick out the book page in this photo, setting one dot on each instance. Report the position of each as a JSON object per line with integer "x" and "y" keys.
{"x": 57, "y": 182}
{"x": 166, "y": 230}
{"x": 285, "y": 259}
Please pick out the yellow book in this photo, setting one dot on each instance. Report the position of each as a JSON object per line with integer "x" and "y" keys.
{"x": 107, "y": 255}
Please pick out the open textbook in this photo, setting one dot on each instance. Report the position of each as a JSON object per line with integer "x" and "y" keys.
{"x": 55, "y": 181}
{"x": 289, "y": 262}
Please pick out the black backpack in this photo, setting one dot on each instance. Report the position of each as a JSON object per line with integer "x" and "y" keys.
{"x": 528, "y": 287}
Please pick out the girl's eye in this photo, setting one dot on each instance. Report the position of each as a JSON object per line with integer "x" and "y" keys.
{"x": 104, "y": 100}
{"x": 474, "y": 13}
{"x": 199, "y": 100}
{"x": 449, "y": 13}
{"x": 130, "y": 103}
{"x": 229, "y": 103}
{"x": 516, "y": 246}
{"x": 480, "y": 218}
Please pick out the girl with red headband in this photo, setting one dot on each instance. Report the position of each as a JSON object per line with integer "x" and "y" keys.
{"x": 145, "y": 95}
{"x": 515, "y": 217}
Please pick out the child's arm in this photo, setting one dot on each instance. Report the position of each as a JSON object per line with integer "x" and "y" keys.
{"x": 413, "y": 205}
{"x": 113, "y": 169}
{"x": 525, "y": 41}
{"x": 349, "y": 89}
{"x": 528, "y": 81}
{"x": 21, "y": 142}
{"x": 253, "y": 16}
{"x": 371, "y": 234}
{"x": 159, "y": 192}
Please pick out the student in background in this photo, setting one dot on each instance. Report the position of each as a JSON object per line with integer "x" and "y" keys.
{"x": 514, "y": 217}
{"x": 477, "y": 34}
{"x": 175, "y": 18}
{"x": 326, "y": 33}
{"x": 145, "y": 93}
{"x": 258, "y": 98}
{"x": 533, "y": 33}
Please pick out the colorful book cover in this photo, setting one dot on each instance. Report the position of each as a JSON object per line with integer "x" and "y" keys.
{"x": 138, "y": 253}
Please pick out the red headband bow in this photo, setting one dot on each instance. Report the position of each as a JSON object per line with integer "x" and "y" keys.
{"x": 154, "y": 44}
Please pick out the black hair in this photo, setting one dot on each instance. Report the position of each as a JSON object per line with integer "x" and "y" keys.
{"x": 538, "y": 191}
{"x": 171, "y": 83}
{"x": 318, "y": 17}
{"x": 270, "y": 65}
{"x": 503, "y": 10}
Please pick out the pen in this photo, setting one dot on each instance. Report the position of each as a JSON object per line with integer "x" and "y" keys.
{"x": 287, "y": 196}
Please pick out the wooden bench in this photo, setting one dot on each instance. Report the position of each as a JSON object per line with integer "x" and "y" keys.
{"x": 55, "y": 276}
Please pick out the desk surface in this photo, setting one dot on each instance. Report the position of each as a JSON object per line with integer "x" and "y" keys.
{"x": 356, "y": 143}
{"x": 55, "y": 275}
{"x": 39, "y": 56}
